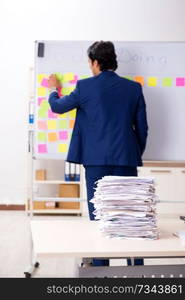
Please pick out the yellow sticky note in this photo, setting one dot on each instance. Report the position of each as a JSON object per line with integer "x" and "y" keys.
{"x": 152, "y": 81}
{"x": 62, "y": 147}
{"x": 52, "y": 136}
{"x": 62, "y": 124}
{"x": 41, "y": 91}
{"x": 62, "y": 116}
{"x": 67, "y": 77}
{"x": 72, "y": 113}
{"x": 52, "y": 124}
{"x": 67, "y": 90}
{"x": 40, "y": 77}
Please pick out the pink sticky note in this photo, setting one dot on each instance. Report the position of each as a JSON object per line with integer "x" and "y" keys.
{"x": 180, "y": 81}
{"x": 51, "y": 114}
{"x": 40, "y": 99}
{"x": 63, "y": 135}
{"x": 74, "y": 80}
{"x": 42, "y": 148}
{"x": 42, "y": 125}
{"x": 44, "y": 82}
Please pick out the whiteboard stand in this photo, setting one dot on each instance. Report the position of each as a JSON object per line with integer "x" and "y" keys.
{"x": 33, "y": 263}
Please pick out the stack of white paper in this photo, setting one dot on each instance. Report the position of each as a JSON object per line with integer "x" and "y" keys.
{"x": 126, "y": 207}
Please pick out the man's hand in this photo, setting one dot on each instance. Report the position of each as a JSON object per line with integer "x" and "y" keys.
{"x": 53, "y": 81}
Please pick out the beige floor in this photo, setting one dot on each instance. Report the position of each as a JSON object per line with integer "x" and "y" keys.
{"x": 15, "y": 245}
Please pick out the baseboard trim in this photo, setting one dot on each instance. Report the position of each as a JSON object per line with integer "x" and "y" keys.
{"x": 12, "y": 207}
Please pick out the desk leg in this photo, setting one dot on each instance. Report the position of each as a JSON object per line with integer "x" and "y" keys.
{"x": 33, "y": 262}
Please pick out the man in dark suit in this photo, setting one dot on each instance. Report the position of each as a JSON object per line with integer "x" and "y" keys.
{"x": 110, "y": 131}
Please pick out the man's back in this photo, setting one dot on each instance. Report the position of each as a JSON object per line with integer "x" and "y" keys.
{"x": 111, "y": 125}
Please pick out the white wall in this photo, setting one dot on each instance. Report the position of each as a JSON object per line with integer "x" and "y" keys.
{"x": 22, "y": 22}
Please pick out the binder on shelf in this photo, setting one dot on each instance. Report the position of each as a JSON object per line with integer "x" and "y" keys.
{"x": 77, "y": 172}
{"x": 67, "y": 177}
{"x": 72, "y": 172}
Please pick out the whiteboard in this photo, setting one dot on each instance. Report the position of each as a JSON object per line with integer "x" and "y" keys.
{"x": 158, "y": 66}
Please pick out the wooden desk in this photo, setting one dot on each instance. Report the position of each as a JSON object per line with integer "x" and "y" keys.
{"x": 82, "y": 239}
{"x": 70, "y": 238}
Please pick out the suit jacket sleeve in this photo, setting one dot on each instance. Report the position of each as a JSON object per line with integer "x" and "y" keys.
{"x": 65, "y": 103}
{"x": 141, "y": 126}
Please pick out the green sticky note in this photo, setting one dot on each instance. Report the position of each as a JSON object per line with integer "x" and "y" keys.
{"x": 42, "y": 113}
{"x": 59, "y": 77}
{"x": 84, "y": 76}
{"x": 41, "y": 136}
{"x": 128, "y": 77}
{"x": 167, "y": 81}
{"x": 67, "y": 90}
{"x": 44, "y": 105}
{"x": 62, "y": 124}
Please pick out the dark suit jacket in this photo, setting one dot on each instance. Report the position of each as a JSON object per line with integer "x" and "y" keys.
{"x": 111, "y": 124}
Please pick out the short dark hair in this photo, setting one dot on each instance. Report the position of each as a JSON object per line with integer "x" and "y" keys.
{"x": 104, "y": 53}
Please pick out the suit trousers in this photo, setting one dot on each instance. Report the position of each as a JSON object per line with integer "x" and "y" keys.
{"x": 94, "y": 173}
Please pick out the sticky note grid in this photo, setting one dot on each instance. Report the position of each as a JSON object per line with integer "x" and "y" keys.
{"x": 156, "y": 81}
{"x": 54, "y": 130}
